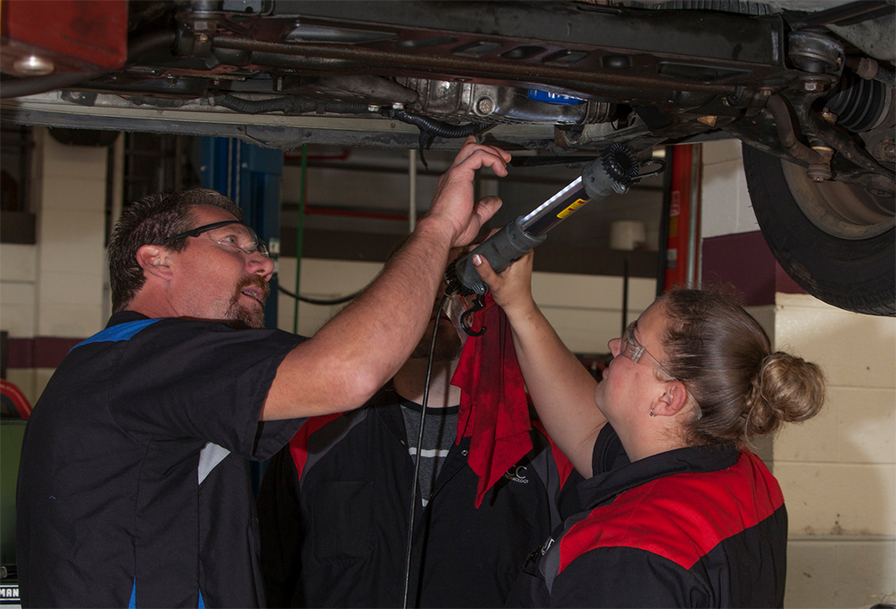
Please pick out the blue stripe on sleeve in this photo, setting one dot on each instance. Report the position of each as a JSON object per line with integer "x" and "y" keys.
{"x": 132, "y": 604}
{"x": 117, "y": 333}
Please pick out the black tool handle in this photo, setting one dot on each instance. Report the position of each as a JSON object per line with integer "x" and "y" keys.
{"x": 501, "y": 250}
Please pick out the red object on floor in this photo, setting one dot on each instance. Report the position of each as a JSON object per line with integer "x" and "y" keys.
{"x": 12, "y": 393}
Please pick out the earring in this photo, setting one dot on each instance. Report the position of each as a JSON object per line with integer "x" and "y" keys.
{"x": 651, "y": 411}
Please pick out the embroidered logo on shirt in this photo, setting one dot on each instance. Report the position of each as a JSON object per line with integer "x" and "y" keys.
{"x": 517, "y": 474}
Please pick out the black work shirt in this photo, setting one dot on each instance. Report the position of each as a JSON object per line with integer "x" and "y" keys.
{"x": 334, "y": 505}
{"x": 134, "y": 486}
{"x": 694, "y": 527}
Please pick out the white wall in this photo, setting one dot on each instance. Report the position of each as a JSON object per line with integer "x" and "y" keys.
{"x": 55, "y": 287}
{"x": 70, "y": 238}
{"x": 726, "y": 207}
{"x": 838, "y": 470}
{"x": 18, "y": 280}
{"x": 585, "y": 309}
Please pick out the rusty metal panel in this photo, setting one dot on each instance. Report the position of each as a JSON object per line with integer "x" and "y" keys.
{"x": 64, "y": 35}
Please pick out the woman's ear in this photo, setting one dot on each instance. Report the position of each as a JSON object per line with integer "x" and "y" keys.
{"x": 153, "y": 259}
{"x": 672, "y": 401}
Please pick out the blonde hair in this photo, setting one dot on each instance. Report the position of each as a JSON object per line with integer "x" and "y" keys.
{"x": 724, "y": 358}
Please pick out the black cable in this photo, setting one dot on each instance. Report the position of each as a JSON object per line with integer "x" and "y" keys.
{"x": 317, "y": 301}
{"x": 156, "y": 102}
{"x": 289, "y": 104}
{"x": 434, "y": 127}
{"x": 413, "y": 507}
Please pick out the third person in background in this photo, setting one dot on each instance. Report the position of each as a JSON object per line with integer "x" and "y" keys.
{"x": 334, "y": 504}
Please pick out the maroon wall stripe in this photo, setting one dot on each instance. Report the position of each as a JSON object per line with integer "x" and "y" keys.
{"x": 39, "y": 352}
{"x": 745, "y": 261}
{"x": 742, "y": 260}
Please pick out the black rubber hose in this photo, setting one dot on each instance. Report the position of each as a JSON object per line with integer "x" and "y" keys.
{"x": 434, "y": 127}
{"x": 42, "y": 84}
{"x": 288, "y": 105}
{"x": 253, "y": 106}
{"x": 318, "y": 301}
{"x": 157, "y": 102}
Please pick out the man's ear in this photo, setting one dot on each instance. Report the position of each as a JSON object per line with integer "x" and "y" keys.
{"x": 672, "y": 401}
{"x": 153, "y": 259}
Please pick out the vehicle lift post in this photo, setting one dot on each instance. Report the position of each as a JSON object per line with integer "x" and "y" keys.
{"x": 250, "y": 176}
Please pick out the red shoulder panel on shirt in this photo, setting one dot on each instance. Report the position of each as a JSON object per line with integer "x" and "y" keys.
{"x": 298, "y": 446}
{"x": 682, "y": 516}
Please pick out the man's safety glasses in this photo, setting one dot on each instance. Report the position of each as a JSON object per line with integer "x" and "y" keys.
{"x": 231, "y": 235}
{"x": 632, "y": 349}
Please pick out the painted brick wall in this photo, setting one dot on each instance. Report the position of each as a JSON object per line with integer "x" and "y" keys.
{"x": 838, "y": 470}
{"x": 584, "y": 309}
{"x": 52, "y": 292}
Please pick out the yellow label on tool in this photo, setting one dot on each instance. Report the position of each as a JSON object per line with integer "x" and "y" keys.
{"x": 577, "y": 204}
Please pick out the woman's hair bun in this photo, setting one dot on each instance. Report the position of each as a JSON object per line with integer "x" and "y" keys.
{"x": 786, "y": 389}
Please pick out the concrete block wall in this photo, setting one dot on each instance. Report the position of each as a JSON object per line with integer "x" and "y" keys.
{"x": 18, "y": 284}
{"x": 52, "y": 292}
{"x": 321, "y": 279}
{"x": 71, "y": 239}
{"x": 584, "y": 309}
{"x": 838, "y": 470}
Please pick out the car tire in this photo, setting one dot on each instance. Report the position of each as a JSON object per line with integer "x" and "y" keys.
{"x": 837, "y": 242}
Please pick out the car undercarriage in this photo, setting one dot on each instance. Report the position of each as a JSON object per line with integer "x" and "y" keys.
{"x": 809, "y": 93}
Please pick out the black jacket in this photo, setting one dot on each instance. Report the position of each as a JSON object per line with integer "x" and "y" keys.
{"x": 333, "y": 509}
{"x": 694, "y": 527}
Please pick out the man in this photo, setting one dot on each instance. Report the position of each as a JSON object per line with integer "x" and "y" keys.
{"x": 333, "y": 505}
{"x": 133, "y": 485}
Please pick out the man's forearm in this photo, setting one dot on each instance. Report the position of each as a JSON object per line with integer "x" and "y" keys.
{"x": 360, "y": 349}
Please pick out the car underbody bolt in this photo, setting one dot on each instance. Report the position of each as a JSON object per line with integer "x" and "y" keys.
{"x": 887, "y": 151}
{"x": 33, "y": 65}
{"x": 819, "y": 172}
{"x": 867, "y": 68}
{"x": 485, "y": 106}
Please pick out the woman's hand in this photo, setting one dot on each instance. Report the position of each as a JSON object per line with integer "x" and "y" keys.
{"x": 512, "y": 288}
{"x": 562, "y": 390}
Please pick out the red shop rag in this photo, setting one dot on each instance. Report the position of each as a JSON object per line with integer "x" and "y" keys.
{"x": 493, "y": 405}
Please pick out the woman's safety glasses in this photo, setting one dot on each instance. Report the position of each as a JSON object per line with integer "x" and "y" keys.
{"x": 632, "y": 349}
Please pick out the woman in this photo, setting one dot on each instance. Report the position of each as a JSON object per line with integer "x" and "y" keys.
{"x": 686, "y": 516}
